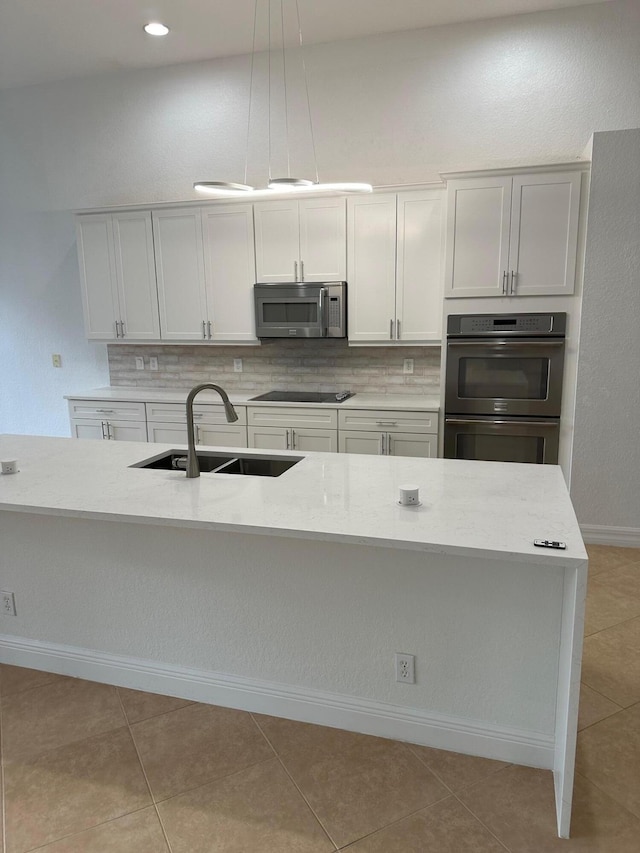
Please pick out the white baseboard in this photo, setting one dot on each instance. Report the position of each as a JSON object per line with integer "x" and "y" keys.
{"x": 625, "y": 537}
{"x": 282, "y": 700}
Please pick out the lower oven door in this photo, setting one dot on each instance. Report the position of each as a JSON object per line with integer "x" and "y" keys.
{"x": 502, "y": 439}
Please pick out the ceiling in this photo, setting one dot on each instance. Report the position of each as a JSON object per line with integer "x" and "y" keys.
{"x": 43, "y": 40}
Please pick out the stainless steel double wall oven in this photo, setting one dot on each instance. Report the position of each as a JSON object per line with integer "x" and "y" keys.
{"x": 504, "y": 386}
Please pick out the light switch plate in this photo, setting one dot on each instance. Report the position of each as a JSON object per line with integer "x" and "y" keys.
{"x": 407, "y": 366}
{"x": 153, "y": 362}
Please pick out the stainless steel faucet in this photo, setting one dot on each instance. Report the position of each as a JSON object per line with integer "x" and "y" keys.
{"x": 193, "y": 469}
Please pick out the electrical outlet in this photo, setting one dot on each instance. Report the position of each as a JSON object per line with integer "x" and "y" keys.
{"x": 153, "y": 362}
{"x": 8, "y": 600}
{"x": 407, "y": 366}
{"x": 405, "y": 668}
{"x": 56, "y": 359}
{"x": 237, "y": 365}
{"x": 139, "y": 362}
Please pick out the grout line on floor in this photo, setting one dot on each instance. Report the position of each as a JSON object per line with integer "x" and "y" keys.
{"x": 447, "y": 796}
{"x": 294, "y": 783}
{"x": 469, "y": 784}
{"x": 85, "y": 829}
{"x": 609, "y": 627}
{"x": 481, "y": 822}
{"x": 609, "y": 794}
{"x": 144, "y": 773}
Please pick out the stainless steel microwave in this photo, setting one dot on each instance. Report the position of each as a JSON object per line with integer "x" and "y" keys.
{"x": 301, "y": 310}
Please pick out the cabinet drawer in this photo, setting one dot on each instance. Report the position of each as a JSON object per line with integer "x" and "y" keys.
{"x": 209, "y": 413}
{"x": 280, "y": 416}
{"x": 388, "y": 421}
{"x": 107, "y": 410}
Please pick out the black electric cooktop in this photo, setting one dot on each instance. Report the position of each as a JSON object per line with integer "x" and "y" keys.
{"x": 304, "y": 396}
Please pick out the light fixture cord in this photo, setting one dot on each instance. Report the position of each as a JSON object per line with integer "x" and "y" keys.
{"x": 306, "y": 86}
{"x": 284, "y": 82}
{"x": 253, "y": 56}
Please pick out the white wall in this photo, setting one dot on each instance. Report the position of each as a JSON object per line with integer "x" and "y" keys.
{"x": 606, "y": 480}
{"x": 397, "y": 108}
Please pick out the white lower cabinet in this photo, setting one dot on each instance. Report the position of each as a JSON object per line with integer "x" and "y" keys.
{"x": 108, "y": 421}
{"x": 304, "y": 428}
{"x": 108, "y": 429}
{"x": 388, "y": 433}
{"x": 289, "y": 438}
{"x": 167, "y": 424}
{"x": 293, "y": 428}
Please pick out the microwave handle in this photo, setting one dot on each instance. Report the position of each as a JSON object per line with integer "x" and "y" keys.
{"x": 323, "y": 310}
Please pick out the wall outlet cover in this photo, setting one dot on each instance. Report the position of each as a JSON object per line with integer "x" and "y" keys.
{"x": 139, "y": 362}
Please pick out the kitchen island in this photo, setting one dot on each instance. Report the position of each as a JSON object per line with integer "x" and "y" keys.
{"x": 290, "y": 595}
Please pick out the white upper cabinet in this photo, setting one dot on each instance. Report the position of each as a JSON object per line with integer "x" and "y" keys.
{"x": 180, "y": 269}
{"x": 543, "y": 243}
{"x": 301, "y": 240}
{"x": 117, "y": 272}
{"x": 395, "y": 267}
{"x": 512, "y": 236}
{"x": 230, "y": 271}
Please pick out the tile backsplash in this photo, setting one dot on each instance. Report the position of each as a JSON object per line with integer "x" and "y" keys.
{"x": 282, "y": 365}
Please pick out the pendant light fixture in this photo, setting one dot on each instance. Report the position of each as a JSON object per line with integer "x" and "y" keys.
{"x": 287, "y": 184}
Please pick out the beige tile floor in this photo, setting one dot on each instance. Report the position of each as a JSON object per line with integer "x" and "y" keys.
{"x": 89, "y": 768}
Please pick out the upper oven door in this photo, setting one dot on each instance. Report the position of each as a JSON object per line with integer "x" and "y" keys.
{"x": 509, "y": 377}
{"x": 290, "y": 311}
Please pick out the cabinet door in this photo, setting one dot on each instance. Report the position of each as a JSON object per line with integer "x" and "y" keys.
{"x": 277, "y": 241}
{"x": 353, "y": 441}
{"x": 222, "y": 436}
{"x": 544, "y": 234}
{"x": 412, "y": 444}
{"x": 127, "y": 431}
{"x": 97, "y": 276}
{"x": 323, "y": 440}
{"x": 269, "y": 438}
{"x": 136, "y": 275}
{"x": 323, "y": 239}
{"x": 477, "y": 250}
{"x": 371, "y": 276}
{"x": 419, "y": 275}
{"x": 88, "y": 428}
{"x": 166, "y": 433}
{"x": 230, "y": 270}
{"x": 180, "y": 271}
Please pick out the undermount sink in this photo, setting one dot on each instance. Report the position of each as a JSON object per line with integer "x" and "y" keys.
{"x": 254, "y": 465}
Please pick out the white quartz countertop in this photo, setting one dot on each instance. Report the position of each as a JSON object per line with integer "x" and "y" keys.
{"x": 407, "y": 402}
{"x": 488, "y": 509}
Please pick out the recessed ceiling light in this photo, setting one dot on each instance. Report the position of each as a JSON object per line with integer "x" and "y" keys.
{"x": 156, "y": 29}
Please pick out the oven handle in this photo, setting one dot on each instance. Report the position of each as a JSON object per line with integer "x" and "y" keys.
{"x": 512, "y": 421}
{"x": 511, "y": 342}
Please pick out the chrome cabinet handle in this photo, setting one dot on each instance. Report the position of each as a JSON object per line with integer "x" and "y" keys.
{"x": 209, "y": 328}
{"x": 115, "y": 323}
{"x": 301, "y": 270}
{"x": 122, "y": 328}
{"x": 295, "y": 271}
{"x": 397, "y": 330}
{"x": 389, "y": 445}
{"x": 105, "y": 411}
{"x": 293, "y": 439}
{"x": 386, "y": 423}
{"x": 381, "y": 450}
{"x": 391, "y": 329}
{"x": 197, "y": 431}
{"x": 513, "y": 283}
{"x": 505, "y": 276}
{"x": 103, "y": 425}
{"x": 204, "y": 330}
{"x": 288, "y": 440}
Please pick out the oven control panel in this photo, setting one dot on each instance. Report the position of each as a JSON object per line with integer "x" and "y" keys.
{"x": 495, "y": 325}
